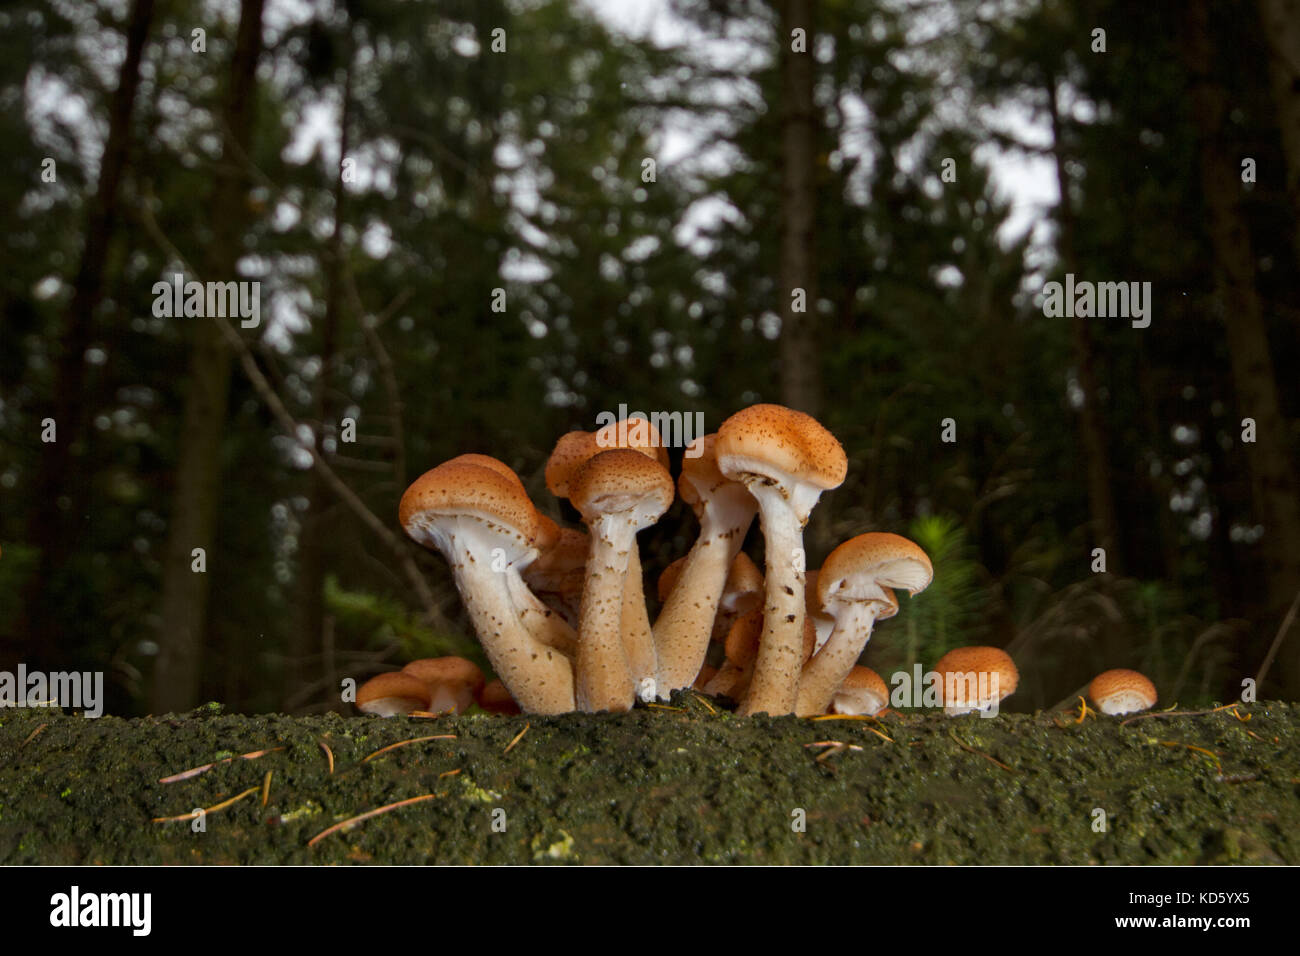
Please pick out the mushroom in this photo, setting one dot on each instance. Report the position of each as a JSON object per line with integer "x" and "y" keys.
{"x": 495, "y": 699}
{"x": 975, "y": 678}
{"x": 863, "y": 692}
{"x": 453, "y": 682}
{"x": 725, "y": 510}
{"x": 1122, "y": 692}
{"x": 855, "y": 588}
{"x": 571, "y": 452}
{"x": 786, "y": 459}
{"x": 394, "y": 694}
{"x": 485, "y": 526}
{"x": 618, "y": 492}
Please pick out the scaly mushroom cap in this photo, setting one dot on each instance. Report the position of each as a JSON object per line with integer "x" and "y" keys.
{"x": 864, "y": 568}
{"x": 968, "y": 675}
{"x": 622, "y": 481}
{"x": 453, "y": 682}
{"x": 393, "y": 694}
{"x": 781, "y": 446}
{"x": 863, "y": 692}
{"x": 1122, "y": 692}
{"x": 575, "y": 449}
{"x": 496, "y": 699}
{"x": 487, "y": 461}
{"x": 465, "y": 489}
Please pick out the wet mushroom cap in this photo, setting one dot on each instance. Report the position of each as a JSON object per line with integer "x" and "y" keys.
{"x": 868, "y": 564}
{"x": 575, "y": 449}
{"x": 1122, "y": 692}
{"x": 978, "y": 661}
{"x": 453, "y": 682}
{"x": 392, "y": 694}
{"x": 771, "y": 440}
{"x": 471, "y": 490}
{"x": 619, "y": 480}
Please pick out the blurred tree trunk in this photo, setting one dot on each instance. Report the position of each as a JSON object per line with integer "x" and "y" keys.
{"x": 1092, "y": 425}
{"x": 183, "y": 614}
{"x": 307, "y": 638}
{"x": 800, "y": 375}
{"x": 1281, "y": 20}
{"x": 1271, "y": 467}
{"x": 58, "y": 522}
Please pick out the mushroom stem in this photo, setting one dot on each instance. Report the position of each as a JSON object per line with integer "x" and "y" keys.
{"x": 542, "y": 622}
{"x": 685, "y": 623}
{"x": 826, "y": 672}
{"x": 638, "y": 638}
{"x": 539, "y": 677}
{"x": 604, "y": 676}
{"x": 774, "y": 686}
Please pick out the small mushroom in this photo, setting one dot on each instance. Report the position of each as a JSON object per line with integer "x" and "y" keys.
{"x": 496, "y": 699}
{"x": 855, "y": 587}
{"x": 1122, "y": 692}
{"x": 863, "y": 692}
{"x": 618, "y": 492}
{"x": 786, "y": 459}
{"x": 725, "y": 509}
{"x": 394, "y": 694}
{"x": 453, "y": 682}
{"x": 975, "y": 678}
{"x": 485, "y": 526}
{"x": 571, "y": 452}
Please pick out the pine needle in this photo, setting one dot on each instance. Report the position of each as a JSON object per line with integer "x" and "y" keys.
{"x": 403, "y": 743}
{"x": 518, "y": 737}
{"x": 353, "y": 821}
{"x": 212, "y": 809}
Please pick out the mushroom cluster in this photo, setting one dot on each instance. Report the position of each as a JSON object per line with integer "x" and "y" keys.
{"x": 561, "y": 613}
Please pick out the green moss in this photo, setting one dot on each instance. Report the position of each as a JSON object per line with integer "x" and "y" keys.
{"x": 658, "y": 785}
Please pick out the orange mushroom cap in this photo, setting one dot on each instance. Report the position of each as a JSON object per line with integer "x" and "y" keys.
{"x": 1122, "y": 692}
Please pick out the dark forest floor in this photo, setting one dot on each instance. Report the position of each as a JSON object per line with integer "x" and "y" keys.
{"x": 657, "y": 785}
